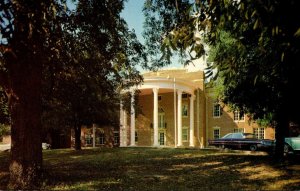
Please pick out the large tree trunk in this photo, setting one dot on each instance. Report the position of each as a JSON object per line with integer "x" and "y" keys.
{"x": 77, "y": 129}
{"x": 24, "y": 64}
{"x": 281, "y": 131}
{"x": 25, "y": 108}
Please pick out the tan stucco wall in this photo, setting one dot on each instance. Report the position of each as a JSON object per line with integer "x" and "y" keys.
{"x": 108, "y": 135}
{"x": 227, "y": 124}
{"x": 144, "y": 119}
{"x": 204, "y": 122}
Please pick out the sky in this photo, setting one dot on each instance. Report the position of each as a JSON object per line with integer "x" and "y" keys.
{"x": 133, "y": 15}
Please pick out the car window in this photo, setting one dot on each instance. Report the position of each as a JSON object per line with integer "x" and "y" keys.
{"x": 248, "y": 136}
{"x": 237, "y": 136}
{"x": 228, "y": 136}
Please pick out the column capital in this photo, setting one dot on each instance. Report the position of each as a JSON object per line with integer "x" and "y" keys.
{"x": 132, "y": 92}
{"x": 179, "y": 91}
{"x": 155, "y": 117}
{"x": 155, "y": 90}
{"x": 192, "y": 97}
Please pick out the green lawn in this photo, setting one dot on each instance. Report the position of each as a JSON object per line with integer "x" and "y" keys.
{"x": 162, "y": 169}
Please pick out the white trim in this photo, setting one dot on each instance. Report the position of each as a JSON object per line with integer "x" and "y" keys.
{"x": 238, "y": 130}
{"x": 179, "y": 117}
{"x": 187, "y": 134}
{"x": 187, "y": 110}
{"x": 213, "y": 113}
{"x": 132, "y": 121}
{"x": 216, "y": 128}
{"x": 117, "y": 132}
{"x": 259, "y": 129}
{"x": 165, "y": 83}
{"x": 155, "y": 116}
{"x": 165, "y": 137}
{"x": 192, "y": 98}
{"x": 238, "y": 114}
{"x": 175, "y": 117}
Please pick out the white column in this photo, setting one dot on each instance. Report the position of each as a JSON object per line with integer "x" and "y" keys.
{"x": 121, "y": 125}
{"x": 132, "y": 121}
{"x": 125, "y": 127}
{"x": 192, "y": 98}
{"x": 175, "y": 119}
{"x": 155, "y": 117}
{"x": 179, "y": 117}
{"x": 94, "y": 135}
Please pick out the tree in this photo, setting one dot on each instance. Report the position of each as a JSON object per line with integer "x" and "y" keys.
{"x": 100, "y": 59}
{"x": 25, "y": 42}
{"x": 257, "y": 61}
{"x": 4, "y": 115}
{"x": 44, "y": 47}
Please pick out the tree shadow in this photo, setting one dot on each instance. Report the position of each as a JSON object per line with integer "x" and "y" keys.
{"x": 171, "y": 169}
{"x": 163, "y": 169}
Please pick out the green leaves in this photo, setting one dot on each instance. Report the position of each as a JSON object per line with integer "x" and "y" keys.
{"x": 254, "y": 45}
{"x": 297, "y": 33}
{"x": 256, "y": 24}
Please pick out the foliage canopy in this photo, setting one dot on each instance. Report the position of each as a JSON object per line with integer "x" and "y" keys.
{"x": 255, "y": 47}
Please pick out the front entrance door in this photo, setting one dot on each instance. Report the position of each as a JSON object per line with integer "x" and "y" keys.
{"x": 161, "y": 138}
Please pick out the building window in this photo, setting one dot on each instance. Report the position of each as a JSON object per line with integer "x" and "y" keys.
{"x": 216, "y": 132}
{"x": 184, "y": 134}
{"x": 101, "y": 139}
{"x": 161, "y": 120}
{"x": 159, "y": 97}
{"x": 185, "y": 96}
{"x": 116, "y": 137}
{"x": 185, "y": 110}
{"x": 259, "y": 133}
{"x": 217, "y": 110}
{"x": 136, "y": 137}
{"x": 238, "y": 116}
{"x": 161, "y": 138}
{"x": 239, "y": 130}
{"x": 88, "y": 139}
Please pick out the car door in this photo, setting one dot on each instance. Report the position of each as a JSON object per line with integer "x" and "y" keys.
{"x": 227, "y": 141}
{"x": 236, "y": 140}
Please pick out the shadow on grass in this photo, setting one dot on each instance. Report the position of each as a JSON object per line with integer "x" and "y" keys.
{"x": 165, "y": 169}
{"x": 168, "y": 169}
{"x": 4, "y": 169}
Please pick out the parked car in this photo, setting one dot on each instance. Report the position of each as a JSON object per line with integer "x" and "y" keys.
{"x": 46, "y": 146}
{"x": 292, "y": 145}
{"x": 242, "y": 141}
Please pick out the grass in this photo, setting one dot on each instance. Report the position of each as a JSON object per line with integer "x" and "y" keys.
{"x": 162, "y": 169}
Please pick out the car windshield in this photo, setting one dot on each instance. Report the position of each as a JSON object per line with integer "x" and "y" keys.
{"x": 239, "y": 136}
{"x": 228, "y": 136}
{"x": 248, "y": 136}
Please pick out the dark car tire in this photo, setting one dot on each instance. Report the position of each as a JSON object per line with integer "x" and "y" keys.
{"x": 253, "y": 147}
{"x": 287, "y": 149}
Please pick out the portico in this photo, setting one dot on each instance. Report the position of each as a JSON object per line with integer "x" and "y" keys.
{"x": 168, "y": 113}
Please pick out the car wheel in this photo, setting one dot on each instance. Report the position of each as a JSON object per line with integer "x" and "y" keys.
{"x": 253, "y": 147}
{"x": 287, "y": 149}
